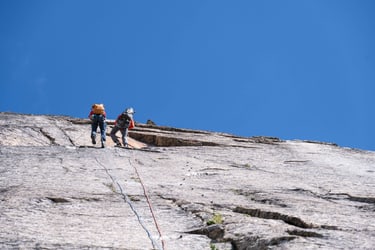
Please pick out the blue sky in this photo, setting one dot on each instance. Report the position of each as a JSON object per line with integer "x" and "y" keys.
{"x": 290, "y": 69}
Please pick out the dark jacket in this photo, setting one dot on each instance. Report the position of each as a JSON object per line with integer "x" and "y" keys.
{"x": 123, "y": 120}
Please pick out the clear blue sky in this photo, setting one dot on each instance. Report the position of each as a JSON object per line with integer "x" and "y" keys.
{"x": 291, "y": 69}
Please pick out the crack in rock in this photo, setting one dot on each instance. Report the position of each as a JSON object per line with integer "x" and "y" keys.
{"x": 164, "y": 141}
{"x": 67, "y": 136}
{"x": 296, "y": 161}
{"x": 304, "y": 233}
{"x": 65, "y": 200}
{"x": 57, "y": 200}
{"x": 256, "y": 243}
{"x": 256, "y": 196}
{"x": 291, "y": 220}
{"x": 48, "y": 136}
{"x": 214, "y": 232}
{"x": 369, "y": 200}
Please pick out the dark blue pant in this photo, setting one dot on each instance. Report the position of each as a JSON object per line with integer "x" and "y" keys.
{"x": 98, "y": 121}
{"x": 124, "y": 135}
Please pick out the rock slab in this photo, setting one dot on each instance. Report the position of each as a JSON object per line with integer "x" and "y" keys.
{"x": 178, "y": 189}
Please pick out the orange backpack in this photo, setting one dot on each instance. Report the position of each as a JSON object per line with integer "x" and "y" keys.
{"x": 98, "y": 109}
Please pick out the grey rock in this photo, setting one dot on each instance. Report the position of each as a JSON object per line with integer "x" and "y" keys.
{"x": 58, "y": 191}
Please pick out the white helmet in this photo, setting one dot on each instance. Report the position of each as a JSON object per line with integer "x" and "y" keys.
{"x": 129, "y": 111}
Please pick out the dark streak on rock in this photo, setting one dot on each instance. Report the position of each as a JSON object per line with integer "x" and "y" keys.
{"x": 58, "y": 200}
{"x": 50, "y": 138}
{"x": 291, "y": 220}
{"x": 163, "y": 141}
{"x": 215, "y": 231}
{"x": 254, "y": 242}
{"x": 304, "y": 233}
{"x": 296, "y": 161}
{"x": 369, "y": 200}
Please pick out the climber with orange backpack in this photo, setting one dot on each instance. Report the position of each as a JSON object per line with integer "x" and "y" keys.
{"x": 123, "y": 123}
{"x": 97, "y": 116}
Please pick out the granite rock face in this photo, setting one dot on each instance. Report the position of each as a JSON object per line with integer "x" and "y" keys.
{"x": 178, "y": 189}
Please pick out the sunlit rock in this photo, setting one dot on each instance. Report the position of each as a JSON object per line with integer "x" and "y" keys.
{"x": 178, "y": 189}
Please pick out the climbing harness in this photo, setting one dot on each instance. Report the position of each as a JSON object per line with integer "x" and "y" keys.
{"x": 128, "y": 201}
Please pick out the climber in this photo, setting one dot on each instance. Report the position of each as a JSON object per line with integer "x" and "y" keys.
{"x": 97, "y": 116}
{"x": 123, "y": 122}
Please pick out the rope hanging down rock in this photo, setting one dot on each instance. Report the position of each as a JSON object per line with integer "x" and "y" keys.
{"x": 128, "y": 201}
{"x": 148, "y": 201}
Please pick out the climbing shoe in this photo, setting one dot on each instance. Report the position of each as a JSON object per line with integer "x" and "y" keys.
{"x": 93, "y": 139}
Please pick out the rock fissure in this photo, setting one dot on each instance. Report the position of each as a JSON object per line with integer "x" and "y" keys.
{"x": 164, "y": 141}
{"x": 214, "y": 232}
{"x": 48, "y": 136}
{"x": 58, "y": 200}
{"x": 67, "y": 136}
{"x": 291, "y": 220}
{"x": 296, "y": 161}
{"x": 259, "y": 197}
{"x": 258, "y": 243}
{"x": 304, "y": 233}
{"x": 336, "y": 196}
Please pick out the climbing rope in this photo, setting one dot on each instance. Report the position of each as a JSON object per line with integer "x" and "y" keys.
{"x": 128, "y": 201}
{"x": 148, "y": 201}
